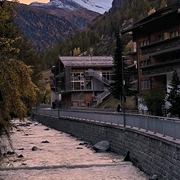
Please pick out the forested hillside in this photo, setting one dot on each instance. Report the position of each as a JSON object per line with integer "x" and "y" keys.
{"x": 98, "y": 37}
{"x": 48, "y": 26}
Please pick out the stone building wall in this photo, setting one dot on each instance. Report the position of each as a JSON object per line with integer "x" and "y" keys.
{"x": 149, "y": 152}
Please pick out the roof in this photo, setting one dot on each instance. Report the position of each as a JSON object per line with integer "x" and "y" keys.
{"x": 87, "y": 61}
{"x": 158, "y": 15}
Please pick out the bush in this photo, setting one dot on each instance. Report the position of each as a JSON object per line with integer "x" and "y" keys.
{"x": 154, "y": 100}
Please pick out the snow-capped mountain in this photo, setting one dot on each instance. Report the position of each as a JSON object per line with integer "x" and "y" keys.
{"x": 100, "y": 6}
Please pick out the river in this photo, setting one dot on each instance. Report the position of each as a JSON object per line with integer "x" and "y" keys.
{"x": 43, "y": 153}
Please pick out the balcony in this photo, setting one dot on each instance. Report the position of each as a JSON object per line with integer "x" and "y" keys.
{"x": 97, "y": 76}
{"x": 161, "y": 47}
{"x": 162, "y": 68}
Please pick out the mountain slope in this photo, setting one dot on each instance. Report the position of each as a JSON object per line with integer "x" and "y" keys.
{"x": 93, "y": 5}
{"x": 50, "y": 25}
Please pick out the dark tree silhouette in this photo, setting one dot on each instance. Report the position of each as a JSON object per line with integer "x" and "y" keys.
{"x": 120, "y": 72}
{"x": 174, "y": 94}
{"x": 117, "y": 84}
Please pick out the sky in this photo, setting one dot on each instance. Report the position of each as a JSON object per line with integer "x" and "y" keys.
{"x": 99, "y": 6}
{"x": 30, "y": 1}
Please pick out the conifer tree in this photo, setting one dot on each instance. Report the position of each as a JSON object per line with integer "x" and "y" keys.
{"x": 154, "y": 100}
{"x": 174, "y": 94}
{"x": 121, "y": 84}
{"x": 117, "y": 84}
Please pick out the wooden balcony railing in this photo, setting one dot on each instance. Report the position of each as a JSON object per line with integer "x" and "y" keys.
{"x": 161, "y": 68}
{"x": 161, "y": 47}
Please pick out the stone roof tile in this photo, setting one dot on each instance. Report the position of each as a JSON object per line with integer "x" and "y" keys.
{"x": 87, "y": 61}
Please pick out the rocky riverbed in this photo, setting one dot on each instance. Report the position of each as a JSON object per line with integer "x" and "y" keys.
{"x": 40, "y": 153}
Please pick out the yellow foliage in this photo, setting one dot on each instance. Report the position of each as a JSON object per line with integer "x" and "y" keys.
{"x": 17, "y": 91}
{"x": 163, "y": 4}
{"x": 77, "y": 51}
{"x": 151, "y": 11}
{"x": 129, "y": 47}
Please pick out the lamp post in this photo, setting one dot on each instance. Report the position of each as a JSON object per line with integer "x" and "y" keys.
{"x": 123, "y": 96}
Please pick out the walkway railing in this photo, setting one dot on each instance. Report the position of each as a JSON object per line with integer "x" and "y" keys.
{"x": 155, "y": 124}
{"x": 97, "y": 76}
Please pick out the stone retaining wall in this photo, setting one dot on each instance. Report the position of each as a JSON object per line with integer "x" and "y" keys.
{"x": 150, "y": 153}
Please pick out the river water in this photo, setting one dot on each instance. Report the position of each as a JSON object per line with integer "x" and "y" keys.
{"x": 43, "y": 153}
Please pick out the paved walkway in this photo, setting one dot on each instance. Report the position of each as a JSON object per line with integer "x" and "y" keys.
{"x": 44, "y": 153}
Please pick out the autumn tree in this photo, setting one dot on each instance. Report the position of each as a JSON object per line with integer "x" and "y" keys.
{"x": 163, "y": 4}
{"x": 17, "y": 91}
{"x": 8, "y": 34}
{"x": 77, "y": 51}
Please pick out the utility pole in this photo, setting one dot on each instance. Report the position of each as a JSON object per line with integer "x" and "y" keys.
{"x": 123, "y": 93}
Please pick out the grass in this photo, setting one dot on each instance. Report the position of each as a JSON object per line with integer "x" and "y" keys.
{"x": 111, "y": 103}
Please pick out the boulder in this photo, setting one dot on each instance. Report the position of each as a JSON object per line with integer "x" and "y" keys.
{"x": 45, "y": 141}
{"x": 154, "y": 177}
{"x": 102, "y": 146}
{"x": 34, "y": 148}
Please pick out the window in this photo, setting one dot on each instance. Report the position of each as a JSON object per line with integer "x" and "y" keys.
{"x": 77, "y": 96}
{"x": 77, "y": 80}
{"x": 171, "y": 34}
{"x": 160, "y": 37}
{"x": 148, "y": 62}
{"x": 145, "y": 84}
{"x": 147, "y": 41}
{"x": 175, "y": 56}
{"x": 174, "y": 33}
{"x": 107, "y": 75}
{"x": 88, "y": 84}
{"x": 145, "y": 63}
{"x": 144, "y": 42}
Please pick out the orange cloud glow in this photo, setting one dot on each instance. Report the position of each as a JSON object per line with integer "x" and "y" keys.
{"x": 30, "y": 1}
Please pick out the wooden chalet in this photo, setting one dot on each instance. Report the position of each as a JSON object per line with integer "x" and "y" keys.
{"x": 157, "y": 39}
{"x": 81, "y": 80}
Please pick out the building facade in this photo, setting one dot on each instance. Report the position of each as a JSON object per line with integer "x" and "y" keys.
{"x": 81, "y": 80}
{"x": 157, "y": 39}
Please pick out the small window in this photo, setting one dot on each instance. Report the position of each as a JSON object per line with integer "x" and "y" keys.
{"x": 160, "y": 37}
{"x": 176, "y": 33}
{"x": 147, "y": 42}
{"x": 145, "y": 84}
{"x": 141, "y": 43}
{"x": 171, "y": 34}
{"x": 148, "y": 62}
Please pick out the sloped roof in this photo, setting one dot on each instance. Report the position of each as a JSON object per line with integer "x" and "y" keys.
{"x": 158, "y": 15}
{"x": 87, "y": 61}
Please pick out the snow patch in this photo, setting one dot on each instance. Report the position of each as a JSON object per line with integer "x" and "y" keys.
{"x": 100, "y": 6}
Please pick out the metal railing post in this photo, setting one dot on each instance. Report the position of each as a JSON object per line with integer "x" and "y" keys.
{"x": 163, "y": 128}
{"x": 154, "y": 125}
{"x": 174, "y": 132}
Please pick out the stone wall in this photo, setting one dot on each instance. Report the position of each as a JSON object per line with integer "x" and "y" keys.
{"x": 150, "y": 152}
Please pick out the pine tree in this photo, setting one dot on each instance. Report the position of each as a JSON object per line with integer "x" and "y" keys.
{"x": 174, "y": 94}
{"x": 121, "y": 84}
{"x": 154, "y": 100}
{"x": 117, "y": 84}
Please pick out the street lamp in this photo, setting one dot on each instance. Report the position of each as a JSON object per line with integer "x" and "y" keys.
{"x": 123, "y": 94}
